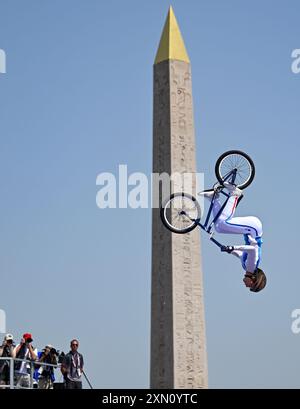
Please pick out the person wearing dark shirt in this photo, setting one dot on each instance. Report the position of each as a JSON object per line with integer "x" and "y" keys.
{"x": 72, "y": 367}
{"x": 6, "y": 350}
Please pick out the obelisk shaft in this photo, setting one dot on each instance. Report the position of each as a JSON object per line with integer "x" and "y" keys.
{"x": 178, "y": 343}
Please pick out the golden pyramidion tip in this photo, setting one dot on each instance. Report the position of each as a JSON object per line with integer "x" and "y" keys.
{"x": 171, "y": 45}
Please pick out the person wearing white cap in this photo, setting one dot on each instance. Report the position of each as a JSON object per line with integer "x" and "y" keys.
{"x": 46, "y": 377}
{"x": 6, "y": 350}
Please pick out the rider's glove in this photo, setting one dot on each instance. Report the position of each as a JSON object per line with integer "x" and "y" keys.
{"x": 227, "y": 249}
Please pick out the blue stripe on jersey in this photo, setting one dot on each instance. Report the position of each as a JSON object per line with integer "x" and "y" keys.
{"x": 241, "y": 225}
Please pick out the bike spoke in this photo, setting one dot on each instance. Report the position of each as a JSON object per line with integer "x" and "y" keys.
{"x": 238, "y": 162}
{"x": 180, "y": 212}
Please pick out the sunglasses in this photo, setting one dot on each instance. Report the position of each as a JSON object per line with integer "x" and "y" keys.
{"x": 74, "y": 345}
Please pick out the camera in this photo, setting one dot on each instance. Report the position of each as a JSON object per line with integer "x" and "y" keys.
{"x": 61, "y": 357}
{"x": 53, "y": 352}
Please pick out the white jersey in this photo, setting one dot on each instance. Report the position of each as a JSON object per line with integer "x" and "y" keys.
{"x": 249, "y": 226}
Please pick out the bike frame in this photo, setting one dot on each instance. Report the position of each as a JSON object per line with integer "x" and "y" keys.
{"x": 207, "y": 226}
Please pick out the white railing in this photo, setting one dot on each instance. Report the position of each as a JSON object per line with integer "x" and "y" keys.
{"x": 12, "y": 373}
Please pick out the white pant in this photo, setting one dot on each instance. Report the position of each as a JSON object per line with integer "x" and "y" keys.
{"x": 250, "y": 226}
{"x": 226, "y": 223}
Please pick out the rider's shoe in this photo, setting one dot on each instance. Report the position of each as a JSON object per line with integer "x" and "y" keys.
{"x": 208, "y": 193}
{"x": 233, "y": 189}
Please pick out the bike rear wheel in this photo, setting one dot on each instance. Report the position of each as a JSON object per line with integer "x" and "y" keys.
{"x": 180, "y": 213}
{"x": 235, "y": 167}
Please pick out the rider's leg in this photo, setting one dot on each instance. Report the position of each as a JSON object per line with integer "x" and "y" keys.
{"x": 241, "y": 225}
{"x": 216, "y": 206}
{"x": 227, "y": 212}
{"x": 210, "y": 194}
{"x": 226, "y": 223}
{"x": 233, "y": 189}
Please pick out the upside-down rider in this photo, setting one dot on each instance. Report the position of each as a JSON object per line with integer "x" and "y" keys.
{"x": 249, "y": 226}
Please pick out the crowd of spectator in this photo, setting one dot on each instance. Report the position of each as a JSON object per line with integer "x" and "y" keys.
{"x": 35, "y": 368}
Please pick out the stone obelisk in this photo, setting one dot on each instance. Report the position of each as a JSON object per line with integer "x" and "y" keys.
{"x": 178, "y": 341}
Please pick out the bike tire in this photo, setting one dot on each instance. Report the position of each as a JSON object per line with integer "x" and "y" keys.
{"x": 184, "y": 222}
{"x": 236, "y": 159}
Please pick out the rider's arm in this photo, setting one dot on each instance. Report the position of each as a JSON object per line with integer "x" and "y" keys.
{"x": 245, "y": 247}
{"x": 237, "y": 249}
{"x": 237, "y": 253}
{"x": 248, "y": 255}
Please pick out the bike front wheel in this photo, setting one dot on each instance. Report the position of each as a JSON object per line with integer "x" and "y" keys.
{"x": 180, "y": 213}
{"x": 235, "y": 167}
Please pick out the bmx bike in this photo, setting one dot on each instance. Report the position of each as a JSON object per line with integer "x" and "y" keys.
{"x": 181, "y": 212}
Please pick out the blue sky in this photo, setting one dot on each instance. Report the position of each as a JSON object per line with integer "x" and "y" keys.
{"x": 76, "y": 101}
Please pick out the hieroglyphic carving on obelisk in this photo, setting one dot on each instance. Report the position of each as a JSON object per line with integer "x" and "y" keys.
{"x": 178, "y": 342}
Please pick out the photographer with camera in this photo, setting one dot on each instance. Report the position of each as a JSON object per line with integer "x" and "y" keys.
{"x": 6, "y": 350}
{"x": 46, "y": 377}
{"x": 24, "y": 350}
{"x": 72, "y": 367}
